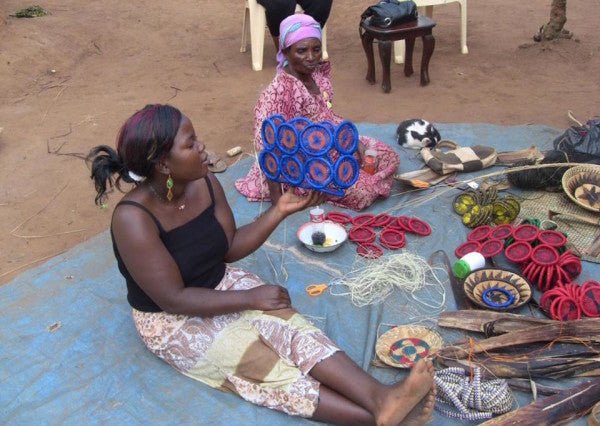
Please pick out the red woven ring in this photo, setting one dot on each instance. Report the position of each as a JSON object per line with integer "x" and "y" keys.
{"x": 481, "y": 233}
{"x": 419, "y": 227}
{"x": 381, "y": 220}
{"x": 392, "y": 239}
{"x": 369, "y": 250}
{"x": 338, "y": 217}
{"x": 467, "y": 247}
{"x": 402, "y": 221}
{"x": 361, "y": 234}
{"x": 491, "y": 248}
{"x": 502, "y": 232}
{"x": 363, "y": 219}
{"x": 518, "y": 252}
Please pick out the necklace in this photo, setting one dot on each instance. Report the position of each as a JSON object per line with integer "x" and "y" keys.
{"x": 160, "y": 197}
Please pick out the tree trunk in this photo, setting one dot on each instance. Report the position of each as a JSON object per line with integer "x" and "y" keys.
{"x": 554, "y": 29}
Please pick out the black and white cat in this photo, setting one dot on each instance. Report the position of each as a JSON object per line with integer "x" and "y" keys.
{"x": 416, "y": 134}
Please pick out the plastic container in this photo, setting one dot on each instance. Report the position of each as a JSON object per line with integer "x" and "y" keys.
{"x": 370, "y": 162}
{"x": 317, "y": 217}
{"x": 468, "y": 263}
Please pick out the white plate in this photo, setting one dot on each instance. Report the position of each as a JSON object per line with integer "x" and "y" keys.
{"x": 334, "y": 233}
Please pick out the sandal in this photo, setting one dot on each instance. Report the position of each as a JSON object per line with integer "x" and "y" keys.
{"x": 215, "y": 163}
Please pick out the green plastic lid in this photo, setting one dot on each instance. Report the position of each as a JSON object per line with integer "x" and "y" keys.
{"x": 461, "y": 269}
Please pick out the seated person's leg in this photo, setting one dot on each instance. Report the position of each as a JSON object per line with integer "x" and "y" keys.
{"x": 277, "y": 11}
{"x": 318, "y": 9}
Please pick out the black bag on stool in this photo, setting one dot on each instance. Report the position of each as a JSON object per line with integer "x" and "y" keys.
{"x": 388, "y": 13}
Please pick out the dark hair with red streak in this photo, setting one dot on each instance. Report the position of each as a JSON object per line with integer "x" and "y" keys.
{"x": 145, "y": 138}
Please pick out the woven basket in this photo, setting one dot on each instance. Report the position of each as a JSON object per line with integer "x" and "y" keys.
{"x": 414, "y": 342}
{"x": 582, "y": 185}
{"x": 594, "y": 417}
{"x": 482, "y": 279}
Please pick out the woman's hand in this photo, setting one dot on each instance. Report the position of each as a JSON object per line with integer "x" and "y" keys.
{"x": 269, "y": 297}
{"x": 290, "y": 203}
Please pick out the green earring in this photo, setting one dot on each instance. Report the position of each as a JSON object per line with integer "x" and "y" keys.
{"x": 169, "y": 187}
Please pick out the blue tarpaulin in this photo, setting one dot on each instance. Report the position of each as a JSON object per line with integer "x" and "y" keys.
{"x": 69, "y": 353}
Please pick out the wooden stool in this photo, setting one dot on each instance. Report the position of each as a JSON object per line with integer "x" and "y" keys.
{"x": 422, "y": 27}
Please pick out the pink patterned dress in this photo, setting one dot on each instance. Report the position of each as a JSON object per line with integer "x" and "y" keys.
{"x": 286, "y": 95}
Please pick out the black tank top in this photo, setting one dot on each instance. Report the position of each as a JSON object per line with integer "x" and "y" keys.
{"x": 198, "y": 248}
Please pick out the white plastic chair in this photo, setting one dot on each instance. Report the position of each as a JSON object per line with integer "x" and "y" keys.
{"x": 428, "y": 4}
{"x": 253, "y": 26}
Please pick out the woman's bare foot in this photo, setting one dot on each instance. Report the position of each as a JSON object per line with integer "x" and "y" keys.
{"x": 401, "y": 398}
{"x": 423, "y": 412}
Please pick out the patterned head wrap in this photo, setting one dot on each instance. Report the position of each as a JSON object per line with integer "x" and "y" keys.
{"x": 293, "y": 29}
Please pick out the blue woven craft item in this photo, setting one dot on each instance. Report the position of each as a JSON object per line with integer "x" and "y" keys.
{"x": 292, "y": 170}
{"x": 287, "y": 139}
{"x": 269, "y": 164}
{"x": 316, "y": 139}
{"x": 346, "y": 138}
{"x": 318, "y": 156}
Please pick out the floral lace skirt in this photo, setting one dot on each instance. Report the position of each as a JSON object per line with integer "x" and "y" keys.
{"x": 263, "y": 356}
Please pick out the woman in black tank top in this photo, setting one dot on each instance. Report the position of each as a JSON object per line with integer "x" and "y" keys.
{"x": 174, "y": 235}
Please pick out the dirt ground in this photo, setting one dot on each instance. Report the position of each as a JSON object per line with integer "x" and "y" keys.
{"x": 69, "y": 80}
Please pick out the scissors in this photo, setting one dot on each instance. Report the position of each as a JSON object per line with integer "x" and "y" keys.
{"x": 316, "y": 289}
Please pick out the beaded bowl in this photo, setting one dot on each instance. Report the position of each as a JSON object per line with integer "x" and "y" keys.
{"x": 497, "y": 289}
{"x": 402, "y": 346}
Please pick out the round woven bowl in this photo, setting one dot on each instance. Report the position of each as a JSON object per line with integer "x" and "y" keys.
{"x": 594, "y": 417}
{"x": 479, "y": 281}
{"x": 582, "y": 186}
{"x": 412, "y": 342}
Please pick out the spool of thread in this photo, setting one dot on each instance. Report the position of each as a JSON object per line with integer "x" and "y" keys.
{"x": 370, "y": 161}
{"x": 467, "y": 264}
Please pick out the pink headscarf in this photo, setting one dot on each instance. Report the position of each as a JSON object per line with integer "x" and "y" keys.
{"x": 294, "y": 28}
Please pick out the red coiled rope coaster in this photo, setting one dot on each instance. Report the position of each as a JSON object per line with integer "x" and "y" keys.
{"x": 570, "y": 263}
{"x": 549, "y": 296}
{"x": 518, "y": 252}
{"x": 552, "y": 238}
{"x": 468, "y": 247}
{"x": 369, "y": 250}
{"x": 526, "y": 233}
{"x": 339, "y": 217}
{"x": 481, "y": 233}
{"x": 361, "y": 234}
{"x": 392, "y": 239}
{"x": 402, "y": 222}
{"x": 532, "y": 273}
{"x": 394, "y": 225}
{"x": 419, "y": 227}
{"x": 501, "y": 232}
{"x": 566, "y": 309}
{"x": 544, "y": 255}
{"x": 491, "y": 248}
{"x": 589, "y": 299}
{"x": 381, "y": 220}
{"x": 363, "y": 219}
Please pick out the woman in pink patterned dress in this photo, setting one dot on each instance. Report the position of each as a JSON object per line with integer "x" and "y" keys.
{"x": 302, "y": 87}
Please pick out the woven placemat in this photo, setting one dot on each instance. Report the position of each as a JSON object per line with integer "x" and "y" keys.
{"x": 581, "y": 235}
